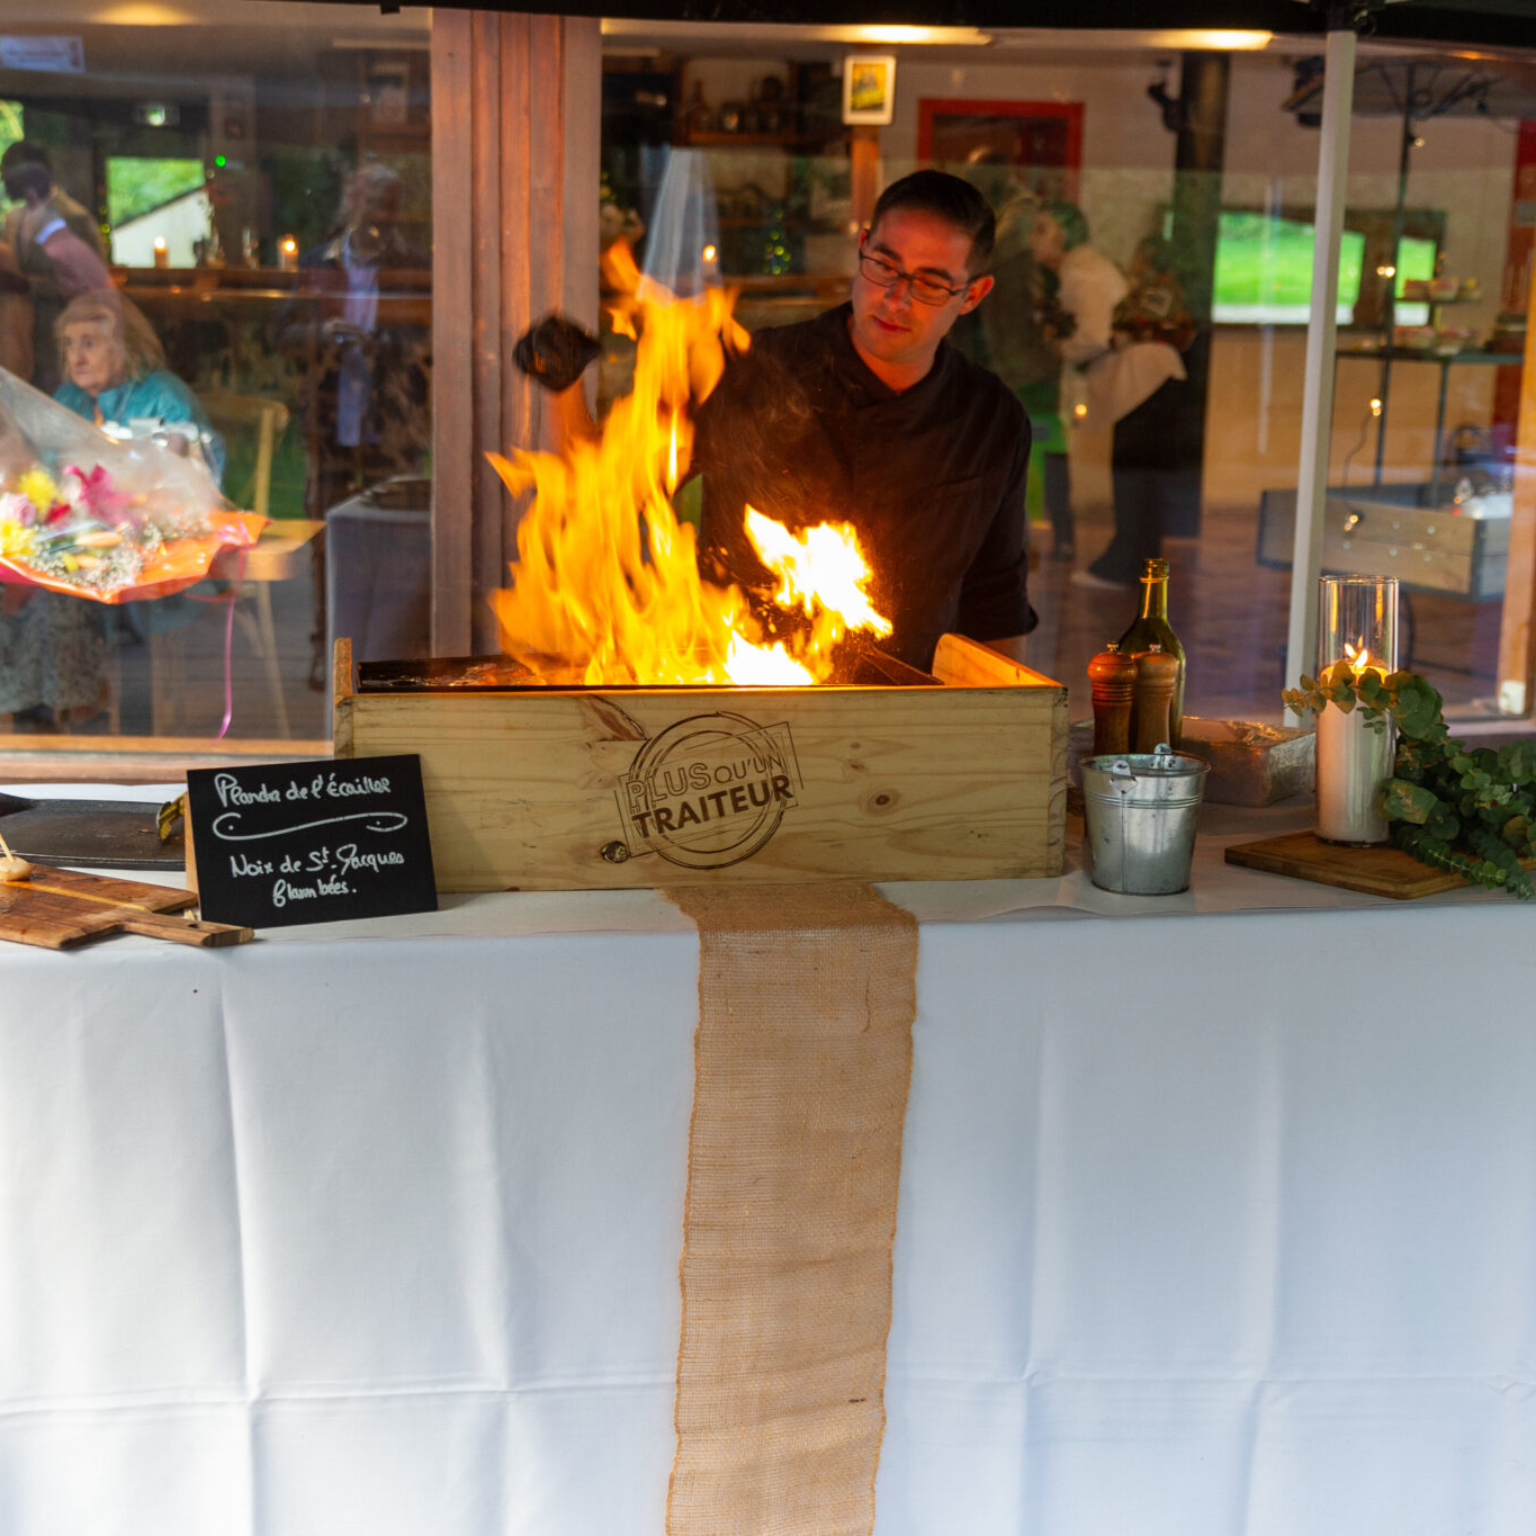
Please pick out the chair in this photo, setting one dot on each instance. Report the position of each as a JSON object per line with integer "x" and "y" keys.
{"x": 232, "y": 415}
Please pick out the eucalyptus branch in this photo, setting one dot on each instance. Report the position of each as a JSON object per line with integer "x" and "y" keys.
{"x": 1469, "y": 810}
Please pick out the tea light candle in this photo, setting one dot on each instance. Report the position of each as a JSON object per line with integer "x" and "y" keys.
{"x": 1353, "y": 761}
{"x": 288, "y": 254}
{"x": 162, "y": 252}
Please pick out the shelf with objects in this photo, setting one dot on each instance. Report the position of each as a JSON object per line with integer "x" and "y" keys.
{"x": 1441, "y": 524}
{"x": 1448, "y": 534}
{"x": 770, "y": 160}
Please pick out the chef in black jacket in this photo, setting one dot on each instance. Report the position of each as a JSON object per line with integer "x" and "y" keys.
{"x": 866, "y": 415}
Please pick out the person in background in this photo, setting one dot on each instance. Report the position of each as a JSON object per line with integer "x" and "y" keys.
{"x": 1015, "y": 338}
{"x": 1152, "y": 326}
{"x": 57, "y": 248}
{"x": 366, "y": 379}
{"x": 16, "y": 355}
{"x": 116, "y": 375}
{"x": 53, "y": 648}
{"x": 1114, "y": 379}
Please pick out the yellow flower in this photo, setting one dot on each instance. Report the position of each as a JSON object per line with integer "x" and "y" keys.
{"x": 38, "y": 487}
{"x": 16, "y": 541}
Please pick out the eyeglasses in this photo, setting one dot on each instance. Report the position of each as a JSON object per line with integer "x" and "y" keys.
{"x": 886, "y": 274}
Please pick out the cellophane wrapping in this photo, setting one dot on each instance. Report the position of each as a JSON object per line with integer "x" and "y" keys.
{"x": 88, "y": 515}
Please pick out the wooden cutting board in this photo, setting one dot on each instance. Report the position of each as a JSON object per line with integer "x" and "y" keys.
{"x": 1384, "y": 871}
{"x": 59, "y": 907}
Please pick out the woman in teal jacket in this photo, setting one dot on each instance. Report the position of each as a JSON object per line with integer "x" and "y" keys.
{"x": 115, "y": 374}
{"x": 53, "y": 648}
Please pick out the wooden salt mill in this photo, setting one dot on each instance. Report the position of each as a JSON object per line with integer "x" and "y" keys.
{"x": 1157, "y": 675}
{"x": 1114, "y": 683}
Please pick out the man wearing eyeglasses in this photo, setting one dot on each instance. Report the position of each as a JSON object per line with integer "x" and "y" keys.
{"x": 866, "y": 415}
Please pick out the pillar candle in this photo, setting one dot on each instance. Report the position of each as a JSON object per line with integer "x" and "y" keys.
{"x": 1352, "y": 763}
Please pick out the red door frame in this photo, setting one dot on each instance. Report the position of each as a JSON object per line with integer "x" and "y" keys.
{"x": 929, "y": 107}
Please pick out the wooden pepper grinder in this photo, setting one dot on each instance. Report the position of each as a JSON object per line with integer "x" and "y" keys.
{"x": 1113, "y": 676}
{"x": 1157, "y": 675}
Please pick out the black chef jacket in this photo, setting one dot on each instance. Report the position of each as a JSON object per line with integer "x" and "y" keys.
{"x": 931, "y": 478}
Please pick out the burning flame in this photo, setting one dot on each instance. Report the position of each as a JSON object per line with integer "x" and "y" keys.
{"x": 606, "y": 590}
{"x": 821, "y": 572}
{"x": 1359, "y": 661}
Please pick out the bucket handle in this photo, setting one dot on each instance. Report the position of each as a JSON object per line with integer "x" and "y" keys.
{"x": 1122, "y": 780}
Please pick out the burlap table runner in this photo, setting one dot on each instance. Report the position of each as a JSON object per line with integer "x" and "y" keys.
{"x": 801, "y": 1065}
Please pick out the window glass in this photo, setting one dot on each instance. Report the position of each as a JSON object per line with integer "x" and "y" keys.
{"x": 1216, "y": 238}
{"x": 1422, "y": 480}
{"x": 244, "y": 275}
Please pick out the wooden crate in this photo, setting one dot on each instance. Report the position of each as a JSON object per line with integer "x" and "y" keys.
{"x": 567, "y": 790}
{"x": 1383, "y": 531}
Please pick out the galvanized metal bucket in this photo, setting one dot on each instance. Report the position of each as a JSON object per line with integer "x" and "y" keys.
{"x": 1141, "y": 809}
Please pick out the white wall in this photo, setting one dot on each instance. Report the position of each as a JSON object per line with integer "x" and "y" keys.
{"x": 1464, "y": 168}
{"x": 1127, "y": 154}
{"x": 178, "y": 224}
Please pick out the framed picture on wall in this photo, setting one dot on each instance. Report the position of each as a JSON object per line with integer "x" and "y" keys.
{"x": 1042, "y": 141}
{"x": 869, "y": 88}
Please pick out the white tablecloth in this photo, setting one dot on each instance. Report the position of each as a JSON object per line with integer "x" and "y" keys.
{"x": 1210, "y": 1224}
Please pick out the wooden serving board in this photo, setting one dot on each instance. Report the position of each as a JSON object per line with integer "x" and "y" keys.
{"x": 60, "y": 907}
{"x": 1384, "y": 871}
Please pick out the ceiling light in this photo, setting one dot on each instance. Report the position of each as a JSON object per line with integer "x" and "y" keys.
{"x": 1126, "y": 39}
{"x": 950, "y": 37}
{"x": 145, "y": 13}
{"x": 770, "y": 33}
{"x": 1212, "y": 38}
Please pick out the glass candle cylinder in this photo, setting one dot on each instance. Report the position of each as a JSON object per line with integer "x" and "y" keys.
{"x": 1357, "y": 624}
{"x": 162, "y": 252}
{"x": 288, "y": 254}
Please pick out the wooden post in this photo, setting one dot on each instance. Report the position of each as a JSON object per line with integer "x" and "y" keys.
{"x": 1517, "y": 628}
{"x": 515, "y": 170}
{"x": 864, "y": 172}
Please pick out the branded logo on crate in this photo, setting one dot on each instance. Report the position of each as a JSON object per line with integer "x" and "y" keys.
{"x": 710, "y": 790}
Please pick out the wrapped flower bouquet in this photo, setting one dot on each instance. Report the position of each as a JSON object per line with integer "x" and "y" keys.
{"x": 113, "y": 520}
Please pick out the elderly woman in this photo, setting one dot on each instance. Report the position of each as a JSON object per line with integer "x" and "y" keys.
{"x": 115, "y": 373}
{"x": 53, "y": 648}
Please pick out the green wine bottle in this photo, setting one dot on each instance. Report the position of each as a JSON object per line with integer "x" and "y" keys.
{"x": 1153, "y": 628}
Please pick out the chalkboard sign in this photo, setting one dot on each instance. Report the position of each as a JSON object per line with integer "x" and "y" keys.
{"x": 314, "y": 842}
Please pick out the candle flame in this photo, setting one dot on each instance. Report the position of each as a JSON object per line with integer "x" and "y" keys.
{"x": 1360, "y": 661}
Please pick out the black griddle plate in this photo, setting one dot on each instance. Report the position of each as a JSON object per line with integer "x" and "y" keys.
{"x": 863, "y": 666}
{"x": 93, "y": 834}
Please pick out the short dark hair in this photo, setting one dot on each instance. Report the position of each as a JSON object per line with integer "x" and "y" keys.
{"x": 24, "y": 152}
{"x": 25, "y": 164}
{"x": 946, "y": 197}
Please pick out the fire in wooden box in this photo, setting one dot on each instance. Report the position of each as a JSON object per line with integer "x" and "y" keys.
{"x": 645, "y": 728}
{"x": 961, "y": 775}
